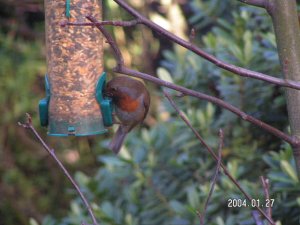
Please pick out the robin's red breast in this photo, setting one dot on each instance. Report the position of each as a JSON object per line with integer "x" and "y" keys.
{"x": 132, "y": 101}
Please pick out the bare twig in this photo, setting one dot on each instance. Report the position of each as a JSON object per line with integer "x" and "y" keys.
{"x": 258, "y": 3}
{"x": 289, "y": 139}
{"x": 226, "y": 172}
{"x": 112, "y": 23}
{"x": 188, "y": 45}
{"x": 110, "y": 41}
{"x": 257, "y": 218}
{"x": 124, "y": 70}
{"x": 192, "y": 35}
{"x": 28, "y": 125}
{"x": 214, "y": 180}
{"x": 266, "y": 187}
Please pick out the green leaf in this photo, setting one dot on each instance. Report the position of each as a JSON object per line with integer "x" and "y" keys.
{"x": 164, "y": 74}
{"x": 33, "y": 222}
{"x": 193, "y": 197}
{"x": 288, "y": 169}
{"x": 248, "y": 47}
{"x": 298, "y": 201}
{"x": 177, "y": 206}
{"x": 111, "y": 160}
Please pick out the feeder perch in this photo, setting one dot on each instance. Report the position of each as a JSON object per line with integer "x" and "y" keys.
{"x": 74, "y": 104}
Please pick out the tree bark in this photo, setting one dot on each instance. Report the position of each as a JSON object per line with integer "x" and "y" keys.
{"x": 287, "y": 31}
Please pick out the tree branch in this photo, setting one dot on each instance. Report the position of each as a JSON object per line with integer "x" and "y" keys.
{"x": 116, "y": 51}
{"x": 28, "y": 125}
{"x": 216, "y": 158}
{"x": 227, "y": 66}
{"x": 215, "y": 177}
{"x": 124, "y": 70}
{"x": 266, "y": 187}
{"x": 257, "y": 218}
{"x": 287, "y": 32}
{"x": 112, "y": 23}
{"x": 258, "y": 3}
{"x": 289, "y": 139}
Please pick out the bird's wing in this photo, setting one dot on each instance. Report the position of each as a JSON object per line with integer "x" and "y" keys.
{"x": 146, "y": 104}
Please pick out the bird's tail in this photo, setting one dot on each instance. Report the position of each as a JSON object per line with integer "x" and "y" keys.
{"x": 118, "y": 139}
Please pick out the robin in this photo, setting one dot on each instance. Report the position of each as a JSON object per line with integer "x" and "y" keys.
{"x": 132, "y": 101}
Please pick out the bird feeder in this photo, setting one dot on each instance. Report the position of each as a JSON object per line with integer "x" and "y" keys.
{"x": 74, "y": 104}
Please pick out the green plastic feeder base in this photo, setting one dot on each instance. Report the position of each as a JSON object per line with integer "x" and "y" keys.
{"x": 85, "y": 127}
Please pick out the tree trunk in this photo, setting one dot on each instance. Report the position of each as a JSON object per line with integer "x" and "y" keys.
{"x": 287, "y": 31}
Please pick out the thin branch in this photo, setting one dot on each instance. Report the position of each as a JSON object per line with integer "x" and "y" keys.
{"x": 257, "y": 218}
{"x": 289, "y": 139}
{"x": 214, "y": 180}
{"x": 226, "y": 172}
{"x": 186, "y": 120}
{"x": 192, "y": 35}
{"x": 188, "y": 45}
{"x": 102, "y": 23}
{"x": 258, "y": 3}
{"x": 110, "y": 41}
{"x": 122, "y": 69}
{"x": 28, "y": 125}
{"x": 266, "y": 187}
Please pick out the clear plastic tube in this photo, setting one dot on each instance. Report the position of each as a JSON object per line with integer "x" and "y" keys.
{"x": 75, "y": 63}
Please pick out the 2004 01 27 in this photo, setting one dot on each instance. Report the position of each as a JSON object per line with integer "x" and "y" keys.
{"x": 236, "y": 203}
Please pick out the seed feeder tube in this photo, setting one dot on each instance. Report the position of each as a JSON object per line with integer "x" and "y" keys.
{"x": 75, "y": 78}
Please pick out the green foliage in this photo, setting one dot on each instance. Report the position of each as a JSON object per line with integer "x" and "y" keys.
{"x": 285, "y": 184}
{"x": 163, "y": 176}
{"x": 22, "y": 70}
{"x": 141, "y": 188}
{"x": 27, "y": 189}
{"x": 27, "y": 57}
{"x": 205, "y": 13}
